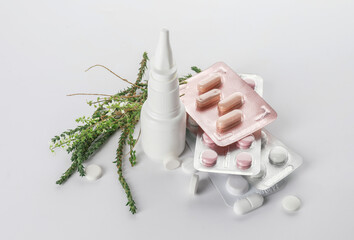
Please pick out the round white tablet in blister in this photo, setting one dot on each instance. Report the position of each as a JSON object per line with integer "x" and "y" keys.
{"x": 188, "y": 166}
{"x": 291, "y": 203}
{"x": 278, "y": 155}
{"x": 236, "y": 185}
{"x": 261, "y": 173}
{"x": 93, "y": 172}
{"x": 193, "y": 185}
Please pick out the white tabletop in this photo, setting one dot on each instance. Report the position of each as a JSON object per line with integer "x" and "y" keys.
{"x": 303, "y": 50}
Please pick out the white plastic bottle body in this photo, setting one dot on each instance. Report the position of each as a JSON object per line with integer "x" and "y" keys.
{"x": 162, "y": 137}
{"x": 163, "y": 116}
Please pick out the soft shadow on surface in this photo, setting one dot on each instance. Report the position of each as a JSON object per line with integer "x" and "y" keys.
{"x": 204, "y": 185}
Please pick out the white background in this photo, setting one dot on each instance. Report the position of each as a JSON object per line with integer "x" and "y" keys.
{"x": 303, "y": 50}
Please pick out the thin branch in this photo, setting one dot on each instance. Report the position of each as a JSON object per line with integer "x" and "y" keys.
{"x": 125, "y": 80}
{"x": 93, "y": 94}
{"x": 131, "y": 96}
{"x": 99, "y": 94}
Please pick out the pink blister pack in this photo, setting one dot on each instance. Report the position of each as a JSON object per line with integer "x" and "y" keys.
{"x": 225, "y": 106}
{"x": 227, "y": 160}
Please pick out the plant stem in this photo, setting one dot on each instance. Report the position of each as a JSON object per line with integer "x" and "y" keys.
{"x": 125, "y": 80}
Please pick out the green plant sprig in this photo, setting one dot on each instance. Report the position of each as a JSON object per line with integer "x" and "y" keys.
{"x": 120, "y": 111}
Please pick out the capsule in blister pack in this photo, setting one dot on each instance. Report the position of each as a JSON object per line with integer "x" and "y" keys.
{"x": 253, "y": 81}
{"x": 224, "y": 105}
{"x": 278, "y": 161}
{"x": 241, "y": 157}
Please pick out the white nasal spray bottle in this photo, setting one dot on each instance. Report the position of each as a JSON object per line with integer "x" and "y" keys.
{"x": 163, "y": 116}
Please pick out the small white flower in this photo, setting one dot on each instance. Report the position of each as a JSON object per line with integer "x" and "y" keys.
{"x": 110, "y": 112}
{"x": 122, "y": 104}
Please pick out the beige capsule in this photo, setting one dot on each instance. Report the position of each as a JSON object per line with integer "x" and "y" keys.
{"x": 208, "y": 99}
{"x": 233, "y": 101}
{"x": 229, "y": 120}
{"x": 208, "y": 83}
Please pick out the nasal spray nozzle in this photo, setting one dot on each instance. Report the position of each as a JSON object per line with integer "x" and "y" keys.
{"x": 163, "y": 61}
{"x": 163, "y": 91}
{"x": 163, "y": 117}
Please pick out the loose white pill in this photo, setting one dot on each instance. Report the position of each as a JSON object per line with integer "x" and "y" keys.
{"x": 171, "y": 162}
{"x": 236, "y": 185}
{"x": 93, "y": 172}
{"x": 248, "y": 204}
{"x": 193, "y": 185}
{"x": 188, "y": 165}
{"x": 291, "y": 203}
{"x": 278, "y": 155}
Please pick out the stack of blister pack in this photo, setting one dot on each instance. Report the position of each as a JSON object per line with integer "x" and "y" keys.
{"x": 226, "y": 117}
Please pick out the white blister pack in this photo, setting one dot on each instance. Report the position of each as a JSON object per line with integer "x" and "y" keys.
{"x": 254, "y": 81}
{"x": 190, "y": 139}
{"x": 278, "y": 161}
{"x": 228, "y": 158}
{"x": 222, "y": 185}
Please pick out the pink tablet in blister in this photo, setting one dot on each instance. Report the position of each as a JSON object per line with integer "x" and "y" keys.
{"x": 250, "y": 82}
{"x": 207, "y": 141}
{"x": 244, "y": 160}
{"x": 253, "y": 81}
{"x": 209, "y": 158}
{"x": 245, "y": 142}
{"x": 231, "y": 159}
{"x": 226, "y": 127}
